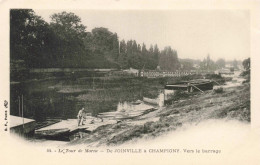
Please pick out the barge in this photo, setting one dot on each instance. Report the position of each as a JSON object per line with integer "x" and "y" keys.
{"x": 192, "y": 85}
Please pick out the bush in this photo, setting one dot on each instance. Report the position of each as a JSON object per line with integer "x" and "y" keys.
{"x": 213, "y": 76}
{"x": 246, "y": 75}
{"x": 219, "y": 90}
{"x": 178, "y": 95}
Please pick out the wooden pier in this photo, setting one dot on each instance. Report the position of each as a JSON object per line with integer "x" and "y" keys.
{"x": 67, "y": 127}
{"x": 21, "y": 125}
{"x": 129, "y": 112}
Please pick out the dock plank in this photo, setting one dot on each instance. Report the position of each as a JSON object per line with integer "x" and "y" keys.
{"x": 71, "y": 125}
{"x": 21, "y": 125}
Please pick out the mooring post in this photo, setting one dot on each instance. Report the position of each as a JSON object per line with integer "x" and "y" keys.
{"x": 161, "y": 99}
{"x": 22, "y": 113}
{"x": 19, "y": 106}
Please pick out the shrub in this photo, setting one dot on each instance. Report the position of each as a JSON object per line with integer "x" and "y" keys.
{"x": 219, "y": 90}
{"x": 213, "y": 76}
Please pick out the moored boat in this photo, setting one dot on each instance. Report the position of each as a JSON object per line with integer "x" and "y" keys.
{"x": 198, "y": 84}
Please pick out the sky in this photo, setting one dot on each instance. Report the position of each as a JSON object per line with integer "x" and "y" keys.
{"x": 192, "y": 33}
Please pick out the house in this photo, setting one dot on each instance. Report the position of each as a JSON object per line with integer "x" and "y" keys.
{"x": 132, "y": 71}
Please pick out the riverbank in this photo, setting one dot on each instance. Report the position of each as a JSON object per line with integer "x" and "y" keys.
{"x": 233, "y": 103}
{"x": 61, "y": 96}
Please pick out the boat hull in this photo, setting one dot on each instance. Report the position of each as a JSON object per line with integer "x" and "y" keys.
{"x": 191, "y": 86}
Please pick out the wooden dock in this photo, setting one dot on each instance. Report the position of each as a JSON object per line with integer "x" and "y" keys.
{"x": 130, "y": 112}
{"x": 21, "y": 125}
{"x": 67, "y": 127}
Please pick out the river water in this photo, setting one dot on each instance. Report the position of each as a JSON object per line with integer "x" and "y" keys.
{"x": 62, "y": 98}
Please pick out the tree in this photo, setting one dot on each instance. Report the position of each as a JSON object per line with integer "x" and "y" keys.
{"x": 115, "y": 47}
{"x": 29, "y": 38}
{"x": 103, "y": 40}
{"x": 122, "y": 58}
{"x": 69, "y": 22}
{"x": 208, "y": 61}
{"x": 69, "y": 38}
{"x": 135, "y": 61}
{"x": 246, "y": 64}
{"x": 65, "y": 43}
{"x": 235, "y": 64}
{"x": 144, "y": 50}
{"x": 19, "y": 21}
{"x": 169, "y": 59}
{"x": 187, "y": 65}
{"x": 208, "y": 64}
{"x": 221, "y": 63}
{"x": 156, "y": 54}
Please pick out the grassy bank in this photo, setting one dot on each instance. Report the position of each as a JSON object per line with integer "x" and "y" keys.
{"x": 231, "y": 103}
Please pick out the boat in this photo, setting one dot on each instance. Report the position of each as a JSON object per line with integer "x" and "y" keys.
{"x": 137, "y": 102}
{"x": 192, "y": 85}
{"x": 53, "y": 133}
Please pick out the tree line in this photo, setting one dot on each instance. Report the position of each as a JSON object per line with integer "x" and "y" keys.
{"x": 65, "y": 42}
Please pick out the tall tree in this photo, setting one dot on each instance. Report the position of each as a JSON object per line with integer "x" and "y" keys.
{"x": 65, "y": 43}
{"x": 29, "y": 37}
{"x": 135, "y": 58}
{"x": 102, "y": 40}
{"x": 156, "y": 54}
{"x": 115, "y": 47}
{"x": 208, "y": 64}
{"x": 69, "y": 41}
{"x": 122, "y": 58}
{"x": 169, "y": 59}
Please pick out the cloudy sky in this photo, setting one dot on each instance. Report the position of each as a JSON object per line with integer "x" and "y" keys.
{"x": 193, "y": 33}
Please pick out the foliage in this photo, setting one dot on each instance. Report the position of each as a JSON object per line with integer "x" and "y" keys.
{"x": 169, "y": 59}
{"x": 235, "y": 64}
{"x": 178, "y": 95}
{"x": 68, "y": 36}
{"x": 246, "y": 64}
{"x": 65, "y": 42}
{"x": 186, "y": 65}
{"x": 29, "y": 36}
{"x": 246, "y": 74}
{"x": 218, "y": 90}
{"x": 208, "y": 64}
{"x": 221, "y": 63}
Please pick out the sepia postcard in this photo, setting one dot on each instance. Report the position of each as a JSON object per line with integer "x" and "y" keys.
{"x": 130, "y": 82}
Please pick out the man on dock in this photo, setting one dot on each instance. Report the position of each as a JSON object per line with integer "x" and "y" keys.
{"x": 80, "y": 116}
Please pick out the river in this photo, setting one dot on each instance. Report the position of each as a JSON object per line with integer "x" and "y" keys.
{"x": 63, "y": 97}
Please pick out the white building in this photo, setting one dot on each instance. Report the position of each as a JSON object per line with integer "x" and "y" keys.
{"x": 132, "y": 71}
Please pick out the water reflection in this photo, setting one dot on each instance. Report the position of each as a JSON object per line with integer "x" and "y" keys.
{"x": 62, "y": 99}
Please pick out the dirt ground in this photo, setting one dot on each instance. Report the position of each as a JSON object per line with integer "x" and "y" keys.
{"x": 232, "y": 103}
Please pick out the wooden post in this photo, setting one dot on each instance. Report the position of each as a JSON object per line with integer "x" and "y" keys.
{"x": 197, "y": 88}
{"x": 93, "y": 83}
{"x": 19, "y": 106}
{"x": 216, "y": 82}
{"x": 22, "y": 113}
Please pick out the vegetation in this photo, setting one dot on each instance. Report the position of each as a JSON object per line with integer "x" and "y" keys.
{"x": 65, "y": 42}
{"x": 218, "y": 90}
{"x": 233, "y": 104}
{"x": 246, "y": 72}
